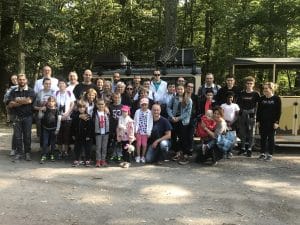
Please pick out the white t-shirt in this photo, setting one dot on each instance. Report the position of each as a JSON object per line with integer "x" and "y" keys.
{"x": 71, "y": 87}
{"x": 101, "y": 116}
{"x": 230, "y": 111}
{"x": 38, "y": 85}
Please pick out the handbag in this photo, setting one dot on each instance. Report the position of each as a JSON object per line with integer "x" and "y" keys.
{"x": 226, "y": 141}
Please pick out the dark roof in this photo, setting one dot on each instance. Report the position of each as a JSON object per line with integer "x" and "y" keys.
{"x": 261, "y": 62}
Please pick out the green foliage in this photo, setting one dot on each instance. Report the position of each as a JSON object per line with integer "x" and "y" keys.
{"x": 67, "y": 34}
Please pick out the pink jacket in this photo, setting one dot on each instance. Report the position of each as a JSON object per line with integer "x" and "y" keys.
{"x": 125, "y": 129}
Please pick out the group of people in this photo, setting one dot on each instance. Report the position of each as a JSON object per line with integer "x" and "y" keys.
{"x": 143, "y": 120}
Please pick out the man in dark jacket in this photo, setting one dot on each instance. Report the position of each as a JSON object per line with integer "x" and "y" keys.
{"x": 20, "y": 101}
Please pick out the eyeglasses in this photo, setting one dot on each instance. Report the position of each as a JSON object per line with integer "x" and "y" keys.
{"x": 190, "y": 86}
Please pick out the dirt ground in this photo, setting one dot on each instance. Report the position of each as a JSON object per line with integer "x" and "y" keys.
{"x": 237, "y": 191}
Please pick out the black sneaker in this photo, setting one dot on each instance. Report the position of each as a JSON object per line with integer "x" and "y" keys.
{"x": 268, "y": 158}
{"x": 241, "y": 151}
{"x": 249, "y": 153}
{"x": 17, "y": 158}
{"x": 262, "y": 157}
{"x": 184, "y": 160}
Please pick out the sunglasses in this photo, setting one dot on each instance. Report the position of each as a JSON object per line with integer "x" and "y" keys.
{"x": 129, "y": 88}
{"x": 157, "y": 75}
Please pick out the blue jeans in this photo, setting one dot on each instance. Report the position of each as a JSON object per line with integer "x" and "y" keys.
{"x": 158, "y": 154}
{"x": 48, "y": 138}
{"x": 22, "y": 131}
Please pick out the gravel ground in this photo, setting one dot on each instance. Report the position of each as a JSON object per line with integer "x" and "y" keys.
{"x": 237, "y": 191}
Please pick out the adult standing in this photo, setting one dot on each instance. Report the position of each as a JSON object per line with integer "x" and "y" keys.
{"x": 189, "y": 90}
{"x": 116, "y": 79}
{"x": 99, "y": 84}
{"x": 107, "y": 92}
{"x": 13, "y": 84}
{"x": 158, "y": 87}
{"x": 47, "y": 73}
{"x": 40, "y": 105}
{"x": 247, "y": 102}
{"x": 268, "y": 116}
{"x": 181, "y": 81}
{"x": 230, "y": 86}
{"x": 125, "y": 99}
{"x": 136, "y": 83}
{"x": 179, "y": 112}
{"x": 208, "y": 85}
{"x": 20, "y": 101}
{"x": 73, "y": 81}
{"x": 86, "y": 84}
{"x": 159, "y": 141}
{"x": 65, "y": 103}
{"x": 146, "y": 84}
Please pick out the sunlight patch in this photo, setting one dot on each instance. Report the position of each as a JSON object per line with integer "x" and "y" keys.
{"x": 166, "y": 194}
{"x": 95, "y": 199}
{"x": 283, "y": 188}
{"x": 5, "y": 183}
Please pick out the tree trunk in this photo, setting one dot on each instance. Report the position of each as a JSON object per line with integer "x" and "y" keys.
{"x": 192, "y": 22}
{"x": 21, "y": 53}
{"x": 170, "y": 49}
{"x": 207, "y": 41}
{"x": 170, "y": 23}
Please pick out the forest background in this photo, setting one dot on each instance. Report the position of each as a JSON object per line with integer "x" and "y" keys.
{"x": 67, "y": 34}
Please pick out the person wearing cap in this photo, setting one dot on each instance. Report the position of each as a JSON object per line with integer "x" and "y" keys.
{"x": 143, "y": 121}
{"x": 125, "y": 134}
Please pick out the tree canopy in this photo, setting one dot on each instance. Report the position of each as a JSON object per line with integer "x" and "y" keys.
{"x": 67, "y": 34}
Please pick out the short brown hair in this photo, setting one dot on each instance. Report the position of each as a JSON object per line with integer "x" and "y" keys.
{"x": 249, "y": 78}
{"x": 81, "y": 104}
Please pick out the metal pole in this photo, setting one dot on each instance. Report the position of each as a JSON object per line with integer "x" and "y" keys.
{"x": 233, "y": 69}
{"x": 274, "y": 73}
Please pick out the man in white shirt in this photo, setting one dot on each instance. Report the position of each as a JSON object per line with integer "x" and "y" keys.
{"x": 158, "y": 87}
{"x": 47, "y": 72}
{"x": 73, "y": 81}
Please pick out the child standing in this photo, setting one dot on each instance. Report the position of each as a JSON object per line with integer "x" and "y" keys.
{"x": 115, "y": 113}
{"x": 143, "y": 121}
{"x": 101, "y": 123}
{"x": 82, "y": 132}
{"x": 125, "y": 134}
{"x": 50, "y": 123}
{"x": 231, "y": 111}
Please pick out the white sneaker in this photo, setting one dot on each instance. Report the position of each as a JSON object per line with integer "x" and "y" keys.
{"x": 126, "y": 165}
{"x": 143, "y": 160}
{"x": 137, "y": 159}
{"x": 12, "y": 153}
